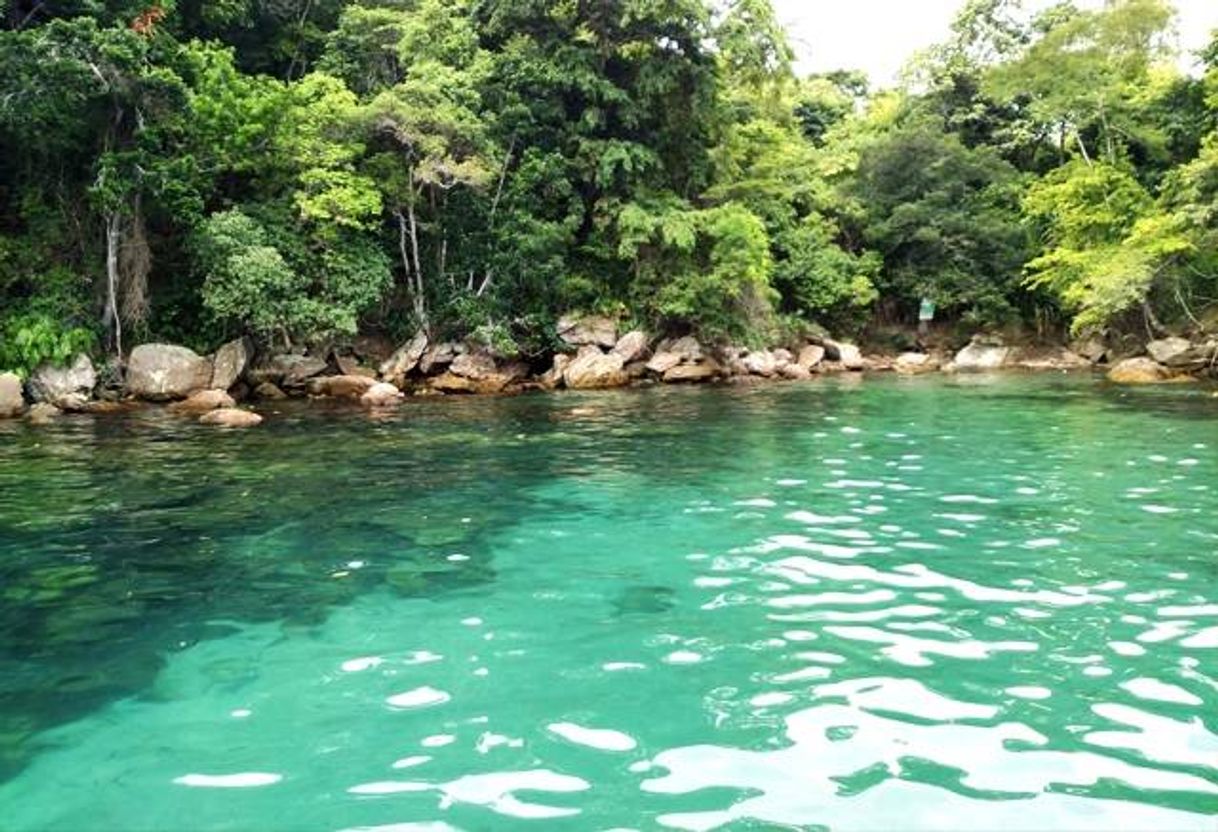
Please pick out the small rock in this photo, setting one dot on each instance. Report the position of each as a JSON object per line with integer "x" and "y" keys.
{"x": 340, "y": 387}
{"x": 230, "y": 418}
{"x": 203, "y": 401}
{"x": 552, "y": 378}
{"x": 50, "y": 383}
{"x": 1091, "y": 347}
{"x": 916, "y": 363}
{"x": 631, "y": 346}
{"x": 783, "y": 356}
{"x": 73, "y": 403}
{"x": 687, "y": 348}
{"x": 229, "y": 363}
{"x": 286, "y": 370}
{"x": 12, "y": 401}
{"x": 381, "y": 395}
{"x": 849, "y": 356}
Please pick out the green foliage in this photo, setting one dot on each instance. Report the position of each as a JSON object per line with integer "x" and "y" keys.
{"x": 250, "y": 281}
{"x": 28, "y": 340}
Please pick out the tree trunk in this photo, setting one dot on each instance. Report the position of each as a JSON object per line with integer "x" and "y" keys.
{"x": 112, "y": 318}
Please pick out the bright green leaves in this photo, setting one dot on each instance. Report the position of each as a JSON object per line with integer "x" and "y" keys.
{"x": 312, "y": 293}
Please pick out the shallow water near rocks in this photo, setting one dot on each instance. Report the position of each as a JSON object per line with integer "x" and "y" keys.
{"x": 894, "y": 603}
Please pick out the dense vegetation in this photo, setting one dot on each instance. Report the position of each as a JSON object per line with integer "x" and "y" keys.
{"x": 301, "y": 170}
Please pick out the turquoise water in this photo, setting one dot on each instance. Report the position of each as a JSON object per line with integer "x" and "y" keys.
{"x": 960, "y": 603}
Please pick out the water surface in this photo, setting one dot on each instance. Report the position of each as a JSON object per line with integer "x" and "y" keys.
{"x": 921, "y": 604}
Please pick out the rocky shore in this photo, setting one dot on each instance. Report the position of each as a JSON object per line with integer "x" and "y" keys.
{"x": 223, "y": 389}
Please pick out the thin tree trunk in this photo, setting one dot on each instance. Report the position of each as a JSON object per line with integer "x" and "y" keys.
{"x": 420, "y": 299}
{"x": 1082, "y": 147}
{"x": 113, "y": 241}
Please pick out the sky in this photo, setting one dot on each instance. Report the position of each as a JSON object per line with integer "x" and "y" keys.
{"x": 879, "y": 35}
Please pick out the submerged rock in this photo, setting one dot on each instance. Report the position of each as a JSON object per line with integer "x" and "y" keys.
{"x": 267, "y": 390}
{"x": 230, "y": 418}
{"x": 50, "y": 383}
{"x": 163, "y": 372}
{"x": 203, "y": 401}
{"x": 381, "y": 394}
{"x": 12, "y": 401}
{"x": 1139, "y": 371}
{"x": 340, "y": 387}
{"x": 42, "y": 412}
{"x": 229, "y": 363}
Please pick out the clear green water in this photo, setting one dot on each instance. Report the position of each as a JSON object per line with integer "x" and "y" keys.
{"x": 916, "y": 604}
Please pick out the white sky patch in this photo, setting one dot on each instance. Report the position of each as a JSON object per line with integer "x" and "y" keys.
{"x": 879, "y": 36}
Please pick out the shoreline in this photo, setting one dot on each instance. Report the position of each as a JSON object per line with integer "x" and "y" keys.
{"x": 234, "y": 386}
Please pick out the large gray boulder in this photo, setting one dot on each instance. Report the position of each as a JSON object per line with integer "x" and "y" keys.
{"x": 761, "y": 363}
{"x": 405, "y": 359}
{"x": 53, "y": 384}
{"x": 229, "y": 363}
{"x": 164, "y": 372}
{"x": 979, "y": 356}
{"x": 1169, "y": 350}
{"x": 12, "y": 402}
{"x": 593, "y": 330}
{"x": 595, "y": 370}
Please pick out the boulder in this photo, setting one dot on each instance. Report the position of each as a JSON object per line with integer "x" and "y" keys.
{"x": 1139, "y": 371}
{"x": 632, "y": 346}
{"x": 915, "y": 363}
{"x": 381, "y": 394}
{"x": 439, "y": 356}
{"x": 663, "y": 361}
{"x": 1054, "y": 358}
{"x": 1196, "y": 357}
{"x": 163, "y": 372}
{"x": 783, "y": 356}
{"x": 1091, "y": 347}
{"x": 405, "y": 359}
{"x": 795, "y": 372}
{"x": 636, "y": 370}
{"x": 286, "y": 370}
{"x": 761, "y": 363}
{"x": 811, "y": 356}
{"x": 12, "y": 401}
{"x": 73, "y": 403}
{"x": 692, "y": 373}
{"x": 552, "y": 378}
{"x": 479, "y": 373}
{"x": 267, "y": 390}
{"x": 595, "y": 370}
{"x": 340, "y": 387}
{"x": 594, "y": 330}
{"x": 51, "y": 384}
{"x": 229, "y": 363}
{"x": 42, "y": 412}
{"x": 203, "y": 401}
{"x": 1169, "y": 351}
{"x": 687, "y": 348}
{"x": 981, "y": 356}
{"x": 230, "y": 417}
{"x": 474, "y": 365}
